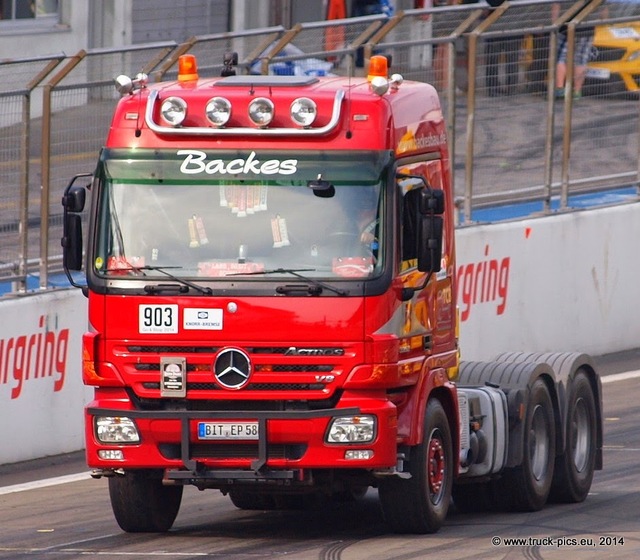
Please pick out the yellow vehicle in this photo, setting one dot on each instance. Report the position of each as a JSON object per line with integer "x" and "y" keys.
{"x": 616, "y": 62}
{"x": 615, "y": 66}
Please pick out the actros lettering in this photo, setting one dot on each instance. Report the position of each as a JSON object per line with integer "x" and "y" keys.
{"x": 32, "y": 356}
{"x": 293, "y": 351}
{"x": 196, "y": 162}
{"x": 484, "y": 282}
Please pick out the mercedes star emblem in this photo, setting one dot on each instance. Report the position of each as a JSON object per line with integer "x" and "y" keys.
{"x": 232, "y": 368}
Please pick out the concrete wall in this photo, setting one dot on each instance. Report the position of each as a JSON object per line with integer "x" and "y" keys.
{"x": 564, "y": 282}
{"x": 41, "y": 391}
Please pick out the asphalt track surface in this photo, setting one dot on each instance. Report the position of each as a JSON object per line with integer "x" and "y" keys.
{"x": 51, "y": 509}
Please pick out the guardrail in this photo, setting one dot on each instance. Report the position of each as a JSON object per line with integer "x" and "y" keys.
{"x": 510, "y": 138}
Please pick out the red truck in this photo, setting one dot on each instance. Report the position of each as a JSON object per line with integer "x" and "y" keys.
{"x": 270, "y": 272}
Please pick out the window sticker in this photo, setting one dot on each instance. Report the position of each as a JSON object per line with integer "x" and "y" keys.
{"x": 279, "y": 232}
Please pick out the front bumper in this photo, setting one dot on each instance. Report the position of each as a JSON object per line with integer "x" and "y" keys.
{"x": 603, "y": 79}
{"x": 290, "y": 442}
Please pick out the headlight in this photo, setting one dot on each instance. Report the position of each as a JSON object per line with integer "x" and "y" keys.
{"x": 635, "y": 55}
{"x": 303, "y": 111}
{"x": 218, "y": 111}
{"x": 116, "y": 429}
{"x": 173, "y": 110}
{"x": 352, "y": 429}
{"x": 261, "y": 111}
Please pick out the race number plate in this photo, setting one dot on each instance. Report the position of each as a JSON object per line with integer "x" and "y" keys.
{"x": 158, "y": 319}
{"x": 228, "y": 430}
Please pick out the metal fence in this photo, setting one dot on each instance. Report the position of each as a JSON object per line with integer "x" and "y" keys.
{"x": 512, "y": 136}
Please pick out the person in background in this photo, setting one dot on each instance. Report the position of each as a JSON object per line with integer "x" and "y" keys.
{"x": 496, "y": 50}
{"x": 582, "y": 54}
{"x": 441, "y": 50}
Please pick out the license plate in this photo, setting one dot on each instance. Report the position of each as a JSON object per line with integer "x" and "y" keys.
{"x": 598, "y": 73}
{"x": 228, "y": 430}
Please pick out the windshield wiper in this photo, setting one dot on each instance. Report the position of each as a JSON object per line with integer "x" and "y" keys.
{"x": 154, "y": 289}
{"x": 315, "y": 288}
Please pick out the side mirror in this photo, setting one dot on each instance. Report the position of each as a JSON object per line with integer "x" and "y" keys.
{"x": 427, "y": 216}
{"x": 74, "y": 198}
{"x": 72, "y": 242}
{"x": 430, "y": 229}
{"x": 431, "y": 201}
{"x": 73, "y": 202}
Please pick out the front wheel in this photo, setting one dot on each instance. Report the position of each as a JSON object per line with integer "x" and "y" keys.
{"x": 420, "y": 504}
{"x": 142, "y": 504}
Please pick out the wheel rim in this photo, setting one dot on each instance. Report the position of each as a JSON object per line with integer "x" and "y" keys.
{"x": 539, "y": 444}
{"x": 580, "y": 436}
{"x": 436, "y": 470}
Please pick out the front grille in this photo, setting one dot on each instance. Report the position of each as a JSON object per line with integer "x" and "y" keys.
{"x": 277, "y": 368}
{"x": 191, "y": 349}
{"x": 251, "y": 387}
{"x": 609, "y": 54}
{"x": 233, "y": 451}
{"x": 224, "y": 405}
{"x": 298, "y": 368}
{"x": 173, "y": 349}
{"x": 310, "y": 369}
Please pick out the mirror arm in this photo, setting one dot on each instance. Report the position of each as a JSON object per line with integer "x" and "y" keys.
{"x": 407, "y": 293}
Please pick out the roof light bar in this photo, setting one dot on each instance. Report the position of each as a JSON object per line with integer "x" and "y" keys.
{"x": 241, "y": 131}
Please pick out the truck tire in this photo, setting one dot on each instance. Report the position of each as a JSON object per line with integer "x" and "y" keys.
{"x": 142, "y": 504}
{"x": 420, "y": 504}
{"x": 574, "y": 468}
{"x": 530, "y": 483}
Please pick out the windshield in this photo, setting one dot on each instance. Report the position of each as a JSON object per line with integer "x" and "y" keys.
{"x": 240, "y": 214}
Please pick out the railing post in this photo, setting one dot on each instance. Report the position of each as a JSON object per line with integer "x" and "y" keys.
{"x": 587, "y": 8}
{"x": 45, "y": 188}
{"x": 471, "y": 100}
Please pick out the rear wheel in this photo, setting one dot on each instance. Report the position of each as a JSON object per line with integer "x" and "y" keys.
{"x": 420, "y": 504}
{"x": 142, "y": 504}
{"x": 530, "y": 483}
{"x": 574, "y": 468}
